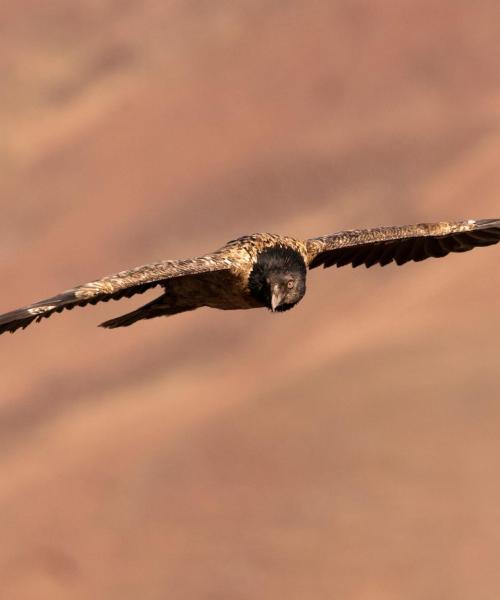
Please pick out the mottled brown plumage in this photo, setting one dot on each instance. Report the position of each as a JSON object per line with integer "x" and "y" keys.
{"x": 260, "y": 270}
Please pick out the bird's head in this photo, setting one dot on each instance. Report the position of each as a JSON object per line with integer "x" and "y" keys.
{"x": 278, "y": 279}
{"x": 284, "y": 290}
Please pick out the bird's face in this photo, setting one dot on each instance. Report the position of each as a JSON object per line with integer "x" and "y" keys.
{"x": 278, "y": 278}
{"x": 284, "y": 290}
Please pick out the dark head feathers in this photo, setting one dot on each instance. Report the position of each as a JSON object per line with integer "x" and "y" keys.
{"x": 279, "y": 271}
{"x": 282, "y": 258}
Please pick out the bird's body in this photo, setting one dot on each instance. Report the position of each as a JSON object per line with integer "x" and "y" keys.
{"x": 260, "y": 270}
{"x": 232, "y": 288}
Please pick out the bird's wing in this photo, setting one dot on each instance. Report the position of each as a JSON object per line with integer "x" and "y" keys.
{"x": 122, "y": 285}
{"x": 400, "y": 244}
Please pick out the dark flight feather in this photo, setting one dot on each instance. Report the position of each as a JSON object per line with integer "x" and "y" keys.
{"x": 122, "y": 285}
{"x": 384, "y": 245}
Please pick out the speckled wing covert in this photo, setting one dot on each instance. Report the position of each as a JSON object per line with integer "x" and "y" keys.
{"x": 122, "y": 285}
{"x": 384, "y": 245}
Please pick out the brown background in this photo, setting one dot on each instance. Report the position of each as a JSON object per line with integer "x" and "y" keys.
{"x": 348, "y": 449}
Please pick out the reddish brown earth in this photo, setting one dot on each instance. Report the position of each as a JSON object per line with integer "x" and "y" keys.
{"x": 349, "y": 449}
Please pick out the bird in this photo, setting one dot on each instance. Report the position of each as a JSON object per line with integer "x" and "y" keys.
{"x": 261, "y": 270}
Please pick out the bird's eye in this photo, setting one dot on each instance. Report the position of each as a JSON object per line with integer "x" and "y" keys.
{"x": 290, "y": 284}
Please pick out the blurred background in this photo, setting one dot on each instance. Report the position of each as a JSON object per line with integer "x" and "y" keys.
{"x": 348, "y": 449}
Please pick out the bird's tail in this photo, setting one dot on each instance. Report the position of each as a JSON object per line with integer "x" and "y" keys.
{"x": 153, "y": 309}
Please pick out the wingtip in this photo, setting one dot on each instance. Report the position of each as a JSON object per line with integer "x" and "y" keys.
{"x": 483, "y": 223}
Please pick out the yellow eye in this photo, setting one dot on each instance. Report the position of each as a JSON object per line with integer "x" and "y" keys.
{"x": 290, "y": 284}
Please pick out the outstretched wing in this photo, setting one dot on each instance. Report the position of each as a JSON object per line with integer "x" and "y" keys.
{"x": 400, "y": 244}
{"x": 122, "y": 285}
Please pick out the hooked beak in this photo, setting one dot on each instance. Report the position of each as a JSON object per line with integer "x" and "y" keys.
{"x": 277, "y": 297}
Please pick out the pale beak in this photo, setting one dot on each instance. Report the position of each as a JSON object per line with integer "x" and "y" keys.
{"x": 277, "y": 297}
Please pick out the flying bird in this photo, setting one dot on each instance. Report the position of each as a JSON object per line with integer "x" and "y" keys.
{"x": 259, "y": 270}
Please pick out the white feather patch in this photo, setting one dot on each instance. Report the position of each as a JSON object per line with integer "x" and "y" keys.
{"x": 38, "y": 310}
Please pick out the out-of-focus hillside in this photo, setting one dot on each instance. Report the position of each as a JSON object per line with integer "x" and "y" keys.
{"x": 348, "y": 449}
